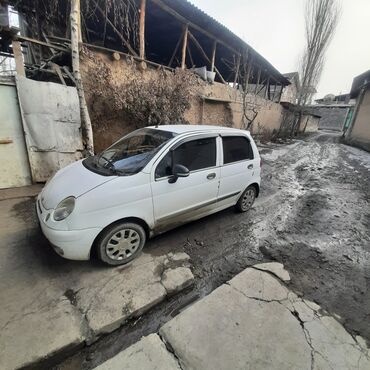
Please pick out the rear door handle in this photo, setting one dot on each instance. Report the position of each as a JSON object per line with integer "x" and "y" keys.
{"x": 211, "y": 176}
{"x": 250, "y": 166}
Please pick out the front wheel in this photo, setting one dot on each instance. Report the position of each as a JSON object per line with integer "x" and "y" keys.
{"x": 120, "y": 243}
{"x": 246, "y": 200}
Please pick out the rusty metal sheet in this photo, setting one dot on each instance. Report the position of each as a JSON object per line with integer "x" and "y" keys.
{"x": 51, "y": 121}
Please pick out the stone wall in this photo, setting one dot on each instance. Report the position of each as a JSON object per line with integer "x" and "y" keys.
{"x": 216, "y": 104}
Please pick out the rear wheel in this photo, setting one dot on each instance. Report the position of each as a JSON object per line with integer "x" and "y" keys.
{"x": 246, "y": 200}
{"x": 120, "y": 243}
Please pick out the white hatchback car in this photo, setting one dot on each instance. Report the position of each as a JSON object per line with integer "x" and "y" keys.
{"x": 150, "y": 181}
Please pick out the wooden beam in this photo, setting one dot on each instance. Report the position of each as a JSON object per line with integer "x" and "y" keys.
{"x": 213, "y": 58}
{"x": 184, "y": 45}
{"x": 56, "y": 68}
{"x": 190, "y": 55}
{"x": 18, "y": 57}
{"x": 125, "y": 42}
{"x": 38, "y": 42}
{"x": 176, "y": 48}
{"x": 107, "y": 50}
{"x": 182, "y": 19}
{"x": 205, "y": 55}
{"x": 142, "y": 29}
{"x": 69, "y": 74}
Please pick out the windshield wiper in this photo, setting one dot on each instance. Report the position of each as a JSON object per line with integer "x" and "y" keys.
{"x": 111, "y": 164}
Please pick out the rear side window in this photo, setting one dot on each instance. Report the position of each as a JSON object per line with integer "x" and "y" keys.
{"x": 236, "y": 148}
{"x": 195, "y": 155}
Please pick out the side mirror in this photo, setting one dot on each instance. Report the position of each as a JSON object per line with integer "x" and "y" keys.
{"x": 178, "y": 171}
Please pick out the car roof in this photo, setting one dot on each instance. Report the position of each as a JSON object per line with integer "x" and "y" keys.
{"x": 182, "y": 129}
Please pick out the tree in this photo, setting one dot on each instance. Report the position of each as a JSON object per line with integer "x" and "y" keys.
{"x": 321, "y": 19}
{"x": 87, "y": 133}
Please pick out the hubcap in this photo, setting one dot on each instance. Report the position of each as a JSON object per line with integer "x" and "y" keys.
{"x": 123, "y": 244}
{"x": 248, "y": 199}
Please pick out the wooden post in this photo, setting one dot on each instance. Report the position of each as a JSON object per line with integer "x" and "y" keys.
{"x": 142, "y": 29}
{"x": 176, "y": 48}
{"x": 258, "y": 81}
{"x": 18, "y": 57}
{"x": 184, "y": 44}
{"x": 87, "y": 134}
{"x": 237, "y": 71}
{"x": 199, "y": 47}
{"x": 213, "y": 56}
{"x": 281, "y": 92}
{"x": 267, "y": 91}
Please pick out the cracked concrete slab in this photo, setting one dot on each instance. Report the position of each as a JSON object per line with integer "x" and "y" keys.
{"x": 275, "y": 268}
{"x": 148, "y": 354}
{"x": 35, "y": 335}
{"x": 334, "y": 346}
{"x": 254, "y": 321}
{"x": 46, "y": 314}
{"x": 260, "y": 285}
{"x": 228, "y": 330}
{"x": 130, "y": 292}
{"x": 177, "y": 279}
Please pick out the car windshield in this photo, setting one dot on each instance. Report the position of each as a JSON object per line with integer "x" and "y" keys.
{"x": 131, "y": 154}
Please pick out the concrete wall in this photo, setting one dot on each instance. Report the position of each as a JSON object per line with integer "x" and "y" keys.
{"x": 332, "y": 117}
{"x": 290, "y": 93}
{"x": 359, "y": 133}
{"x": 216, "y": 104}
{"x": 311, "y": 123}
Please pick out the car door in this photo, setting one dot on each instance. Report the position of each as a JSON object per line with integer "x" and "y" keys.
{"x": 238, "y": 165}
{"x": 188, "y": 197}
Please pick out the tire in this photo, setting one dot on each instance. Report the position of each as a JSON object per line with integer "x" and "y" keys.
{"x": 120, "y": 243}
{"x": 246, "y": 200}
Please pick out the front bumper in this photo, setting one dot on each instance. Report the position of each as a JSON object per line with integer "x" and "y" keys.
{"x": 70, "y": 244}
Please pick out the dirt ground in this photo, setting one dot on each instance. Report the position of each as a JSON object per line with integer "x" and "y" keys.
{"x": 313, "y": 215}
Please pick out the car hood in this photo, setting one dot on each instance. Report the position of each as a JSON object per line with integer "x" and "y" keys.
{"x": 73, "y": 180}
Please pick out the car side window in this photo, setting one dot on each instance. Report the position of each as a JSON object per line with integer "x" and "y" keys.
{"x": 194, "y": 155}
{"x": 236, "y": 148}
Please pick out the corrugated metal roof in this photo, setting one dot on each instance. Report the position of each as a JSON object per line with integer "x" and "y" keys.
{"x": 202, "y": 19}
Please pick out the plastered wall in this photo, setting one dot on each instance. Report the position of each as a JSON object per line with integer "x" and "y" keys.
{"x": 217, "y": 103}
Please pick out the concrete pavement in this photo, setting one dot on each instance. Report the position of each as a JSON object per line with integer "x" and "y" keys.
{"x": 50, "y": 306}
{"x": 252, "y": 322}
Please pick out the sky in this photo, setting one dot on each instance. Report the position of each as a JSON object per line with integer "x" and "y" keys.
{"x": 275, "y": 29}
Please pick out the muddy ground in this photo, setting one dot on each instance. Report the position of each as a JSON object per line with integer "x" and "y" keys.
{"x": 313, "y": 215}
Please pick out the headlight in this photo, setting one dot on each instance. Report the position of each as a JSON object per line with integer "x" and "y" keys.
{"x": 64, "y": 209}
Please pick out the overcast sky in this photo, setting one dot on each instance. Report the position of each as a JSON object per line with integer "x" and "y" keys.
{"x": 275, "y": 28}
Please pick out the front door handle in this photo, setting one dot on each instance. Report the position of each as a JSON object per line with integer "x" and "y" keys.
{"x": 211, "y": 176}
{"x": 250, "y": 166}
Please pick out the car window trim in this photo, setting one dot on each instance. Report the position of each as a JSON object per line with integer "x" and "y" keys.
{"x": 237, "y": 162}
{"x": 236, "y": 135}
{"x": 183, "y": 141}
{"x": 193, "y": 138}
